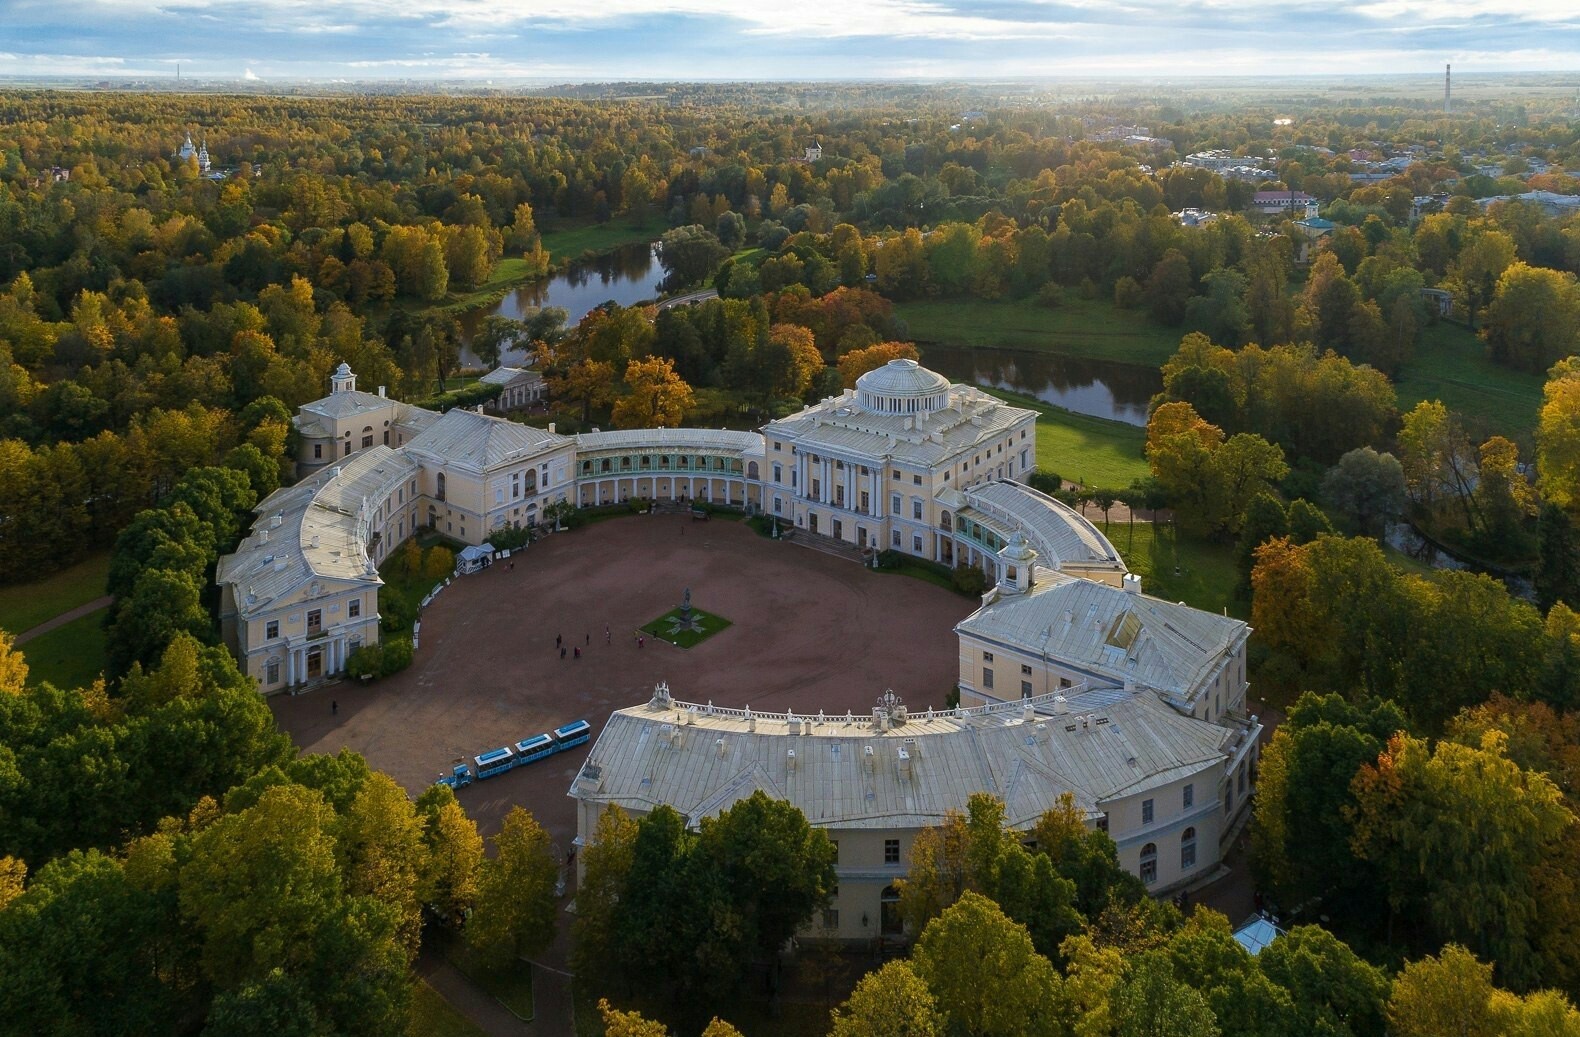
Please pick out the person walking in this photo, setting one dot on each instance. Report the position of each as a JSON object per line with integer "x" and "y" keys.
{"x": 641, "y": 641}
{"x": 578, "y": 651}
{"x": 559, "y": 641}
{"x": 334, "y": 708}
{"x": 562, "y": 651}
{"x": 589, "y": 640}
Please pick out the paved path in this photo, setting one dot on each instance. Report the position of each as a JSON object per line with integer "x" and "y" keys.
{"x": 467, "y": 998}
{"x": 689, "y": 298}
{"x": 65, "y": 617}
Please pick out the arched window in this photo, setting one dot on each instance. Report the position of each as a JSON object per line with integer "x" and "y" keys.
{"x": 945, "y": 522}
{"x": 367, "y": 436}
{"x": 440, "y": 486}
{"x": 1149, "y": 863}
{"x": 751, "y": 471}
{"x": 1187, "y": 849}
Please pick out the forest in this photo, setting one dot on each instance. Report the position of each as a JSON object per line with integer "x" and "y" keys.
{"x": 169, "y": 865}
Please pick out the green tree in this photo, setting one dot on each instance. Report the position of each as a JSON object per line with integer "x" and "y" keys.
{"x": 1334, "y": 992}
{"x": 513, "y": 915}
{"x": 606, "y": 868}
{"x": 1152, "y": 1003}
{"x": 1451, "y": 994}
{"x": 1169, "y": 288}
{"x": 1534, "y": 319}
{"x": 890, "y": 1002}
{"x": 985, "y": 974}
{"x": 1558, "y": 571}
{"x": 454, "y": 856}
{"x": 1367, "y": 488}
{"x": 689, "y": 255}
{"x": 382, "y": 852}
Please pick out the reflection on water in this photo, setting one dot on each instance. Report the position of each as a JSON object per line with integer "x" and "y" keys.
{"x": 1101, "y": 388}
{"x": 630, "y": 274}
{"x": 1407, "y": 540}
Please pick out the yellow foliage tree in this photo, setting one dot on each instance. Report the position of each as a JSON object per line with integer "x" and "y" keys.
{"x": 13, "y": 668}
{"x": 859, "y": 361}
{"x": 656, "y": 397}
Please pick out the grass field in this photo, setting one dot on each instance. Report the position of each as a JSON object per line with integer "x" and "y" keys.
{"x": 1451, "y": 365}
{"x": 1206, "y": 570}
{"x": 71, "y": 656}
{"x": 432, "y": 1016}
{"x": 568, "y": 239}
{"x": 710, "y": 624}
{"x": 26, "y": 605}
{"x": 511, "y": 987}
{"x": 1080, "y": 327}
{"x": 1092, "y": 451}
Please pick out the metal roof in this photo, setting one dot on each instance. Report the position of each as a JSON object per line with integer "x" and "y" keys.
{"x": 466, "y": 439}
{"x": 840, "y": 425}
{"x": 683, "y": 439}
{"x": 1062, "y": 536}
{"x": 315, "y": 530}
{"x": 700, "y": 760}
{"x": 1115, "y": 634}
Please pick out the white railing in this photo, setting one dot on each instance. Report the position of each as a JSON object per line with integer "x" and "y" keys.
{"x": 1045, "y": 703}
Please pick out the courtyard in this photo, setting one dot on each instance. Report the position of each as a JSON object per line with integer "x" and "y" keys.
{"x": 808, "y": 632}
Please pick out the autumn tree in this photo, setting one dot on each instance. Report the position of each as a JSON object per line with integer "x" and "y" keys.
{"x": 1558, "y": 436}
{"x": 513, "y": 914}
{"x": 857, "y": 362}
{"x": 890, "y": 1002}
{"x": 587, "y": 382}
{"x": 655, "y": 396}
{"x": 985, "y": 974}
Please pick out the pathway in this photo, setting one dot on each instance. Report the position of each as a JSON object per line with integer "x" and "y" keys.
{"x": 61, "y": 620}
{"x": 689, "y": 298}
{"x": 467, "y": 998}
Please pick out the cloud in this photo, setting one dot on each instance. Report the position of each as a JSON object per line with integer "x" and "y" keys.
{"x": 622, "y": 39}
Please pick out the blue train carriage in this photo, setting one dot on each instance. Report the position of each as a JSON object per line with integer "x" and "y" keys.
{"x": 535, "y": 748}
{"x": 572, "y": 734}
{"x": 494, "y": 762}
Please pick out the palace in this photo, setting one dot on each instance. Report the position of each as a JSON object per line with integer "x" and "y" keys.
{"x": 1071, "y": 679}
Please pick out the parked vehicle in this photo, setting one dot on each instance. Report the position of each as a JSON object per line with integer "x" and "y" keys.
{"x": 495, "y": 762}
{"x": 459, "y": 778}
{"x": 528, "y": 750}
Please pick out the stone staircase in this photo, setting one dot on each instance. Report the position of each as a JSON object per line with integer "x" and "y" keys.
{"x": 827, "y": 545}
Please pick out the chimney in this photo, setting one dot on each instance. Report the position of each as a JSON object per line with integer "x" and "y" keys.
{"x": 718, "y": 747}
{"x": 790, "y": 759}
{"x": 866, "y": 758}
{"x": 905, "y": 762}
{"x": 551, "y": 428}
{"x": 381, "y": 390}
{"x": 263, "y": 536}
{"x": 1060, "y": 706}
{"x": 1132, "y": 583}
{"x": 914, "y": 747}
{"x": 1028, "y": 713}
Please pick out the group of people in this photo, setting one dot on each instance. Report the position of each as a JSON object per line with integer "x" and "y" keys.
{"x": 608, "y": 639}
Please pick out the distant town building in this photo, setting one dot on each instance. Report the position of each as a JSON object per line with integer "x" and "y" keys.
{"x": 1294, "y": 203}
{"x": 814, "y": 151}
{"x": 1195, "y": 217}
{"x": 1550, "y": 202}
{"x": 187, "y": 151}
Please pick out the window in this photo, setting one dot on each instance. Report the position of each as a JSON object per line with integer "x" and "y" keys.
{"x": 896, "y": 538}
{"x": 778, "y": 506}
{"x": 987, "y": 678}
{"x": 834, "y": 841}
{"x": 831, "y": 918}
{"x": 1187, "y": 849}
{"x": 1190, "y": 796}
{"x": 315, "y": 621}
{"x": 440, "y": 486}
{"x": 987, "y": 657}
{"x": 355, "y": 608}
{"x": 916, "y": 508}
{"x": 318, "y": 451}
{"x": 1146, "y": 811}
{"x": 896, "y": 473}
{"x": 1025, "y": 689}
{"x": 916, "y": 543}
{"x": 271, "y": 672}
{"x": 1064, "y": 682}
{"x": 817, "y": 487}
{"x": 779, "y": 473}
{"x": 894, "y": 503}
{"x": 891, "y": 851}
{"x": 367, "y": 440}
{"x": 271, "y": 629}
{"x": 1102, "y": 823}
{"x": 916, "y": 479}
{"x": 1025, "y": 670}
{"x": 1241, "y": 782}
{"x": 1149, "y": 863}
{"x": 347, "y": 450}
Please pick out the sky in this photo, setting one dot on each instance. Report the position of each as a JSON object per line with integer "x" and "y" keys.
{"x": 601, "y": 40}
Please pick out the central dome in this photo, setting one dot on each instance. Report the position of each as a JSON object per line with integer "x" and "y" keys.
{"x": 902, "y": 387}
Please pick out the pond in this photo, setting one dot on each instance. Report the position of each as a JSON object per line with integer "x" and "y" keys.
{"x": 630, "y": 274}
{"x": 1407, "y": 540}
{"x": 1101, "y": 388}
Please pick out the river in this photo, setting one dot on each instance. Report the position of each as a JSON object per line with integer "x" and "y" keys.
{"x": 630, "y": 274}
{"x": 1101, "y": 388}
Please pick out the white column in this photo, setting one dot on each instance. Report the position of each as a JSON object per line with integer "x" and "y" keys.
{"x": 290, "y": 668}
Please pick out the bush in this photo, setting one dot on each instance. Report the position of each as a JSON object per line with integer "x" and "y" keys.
{"x": 438, "y": 562}
{"x": 1051, "y": 295}
{"x": 1127, "y": 293}
{"x": 890, "y": 559}
{"x": 396, "y": 613}
{"x": 969, "y": 580}
{"x": 512, "y": 539}
{"x": 380, "y": 660}
{"x": 1046, "y": 482}
{"x": 471, "y": 396}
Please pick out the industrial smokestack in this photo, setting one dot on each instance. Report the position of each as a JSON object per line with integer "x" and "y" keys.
{"x": 1448, "y": 97}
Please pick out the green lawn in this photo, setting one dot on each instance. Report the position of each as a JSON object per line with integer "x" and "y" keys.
{"x": 511, "y": 987}
{"x": 26, "y": 605}
{"x": 433, "y": 1016}
{"x": 710, "y": 624}
{"x": 71, "y": 656}
{"x": 1080, "y": 327}
{"x": 568, "y": 239}
{"x": 1451, "y": 365}
{"x": 1094, "y": 452}
{"x": 1207, "y": 573}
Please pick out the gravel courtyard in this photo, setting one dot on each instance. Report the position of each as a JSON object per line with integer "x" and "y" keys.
{"x": 809, "y": 631}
